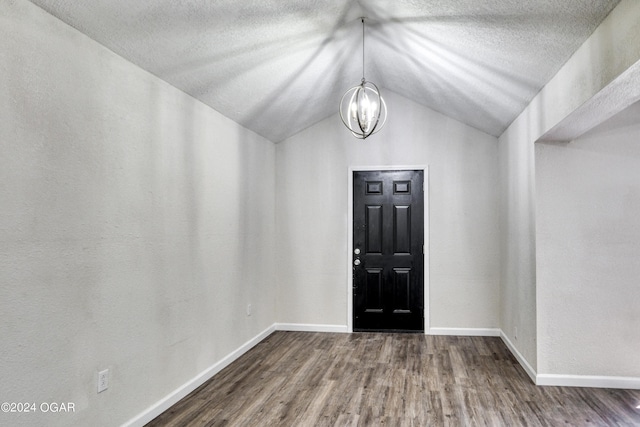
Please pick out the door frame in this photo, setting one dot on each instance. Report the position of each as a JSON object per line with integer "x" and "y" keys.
{"x": 425, "y": 279}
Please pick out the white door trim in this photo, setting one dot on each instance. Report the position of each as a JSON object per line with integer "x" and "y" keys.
{"x": 352, "y": 169}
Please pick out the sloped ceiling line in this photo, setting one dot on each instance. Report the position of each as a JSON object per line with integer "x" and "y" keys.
{"x": 277, "y": 67}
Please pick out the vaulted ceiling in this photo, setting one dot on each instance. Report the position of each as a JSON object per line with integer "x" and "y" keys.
{"x": 278, "y": 66}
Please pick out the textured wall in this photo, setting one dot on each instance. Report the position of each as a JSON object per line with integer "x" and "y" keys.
{"x": 517, "y": 237}
{"x": 312, "y": 198}
{"x": 588, "y": 245}
{"x": 135, "y": 226}
{"x": 610, "y": 50}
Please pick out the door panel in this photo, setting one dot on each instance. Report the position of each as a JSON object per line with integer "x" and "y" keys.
{"x": 402, "y": 230}
{"x": 402, "y": 290}
{"x": 388, "y": 235}
{"x": 374, "y": 229}
{"x": 374, "y": 291}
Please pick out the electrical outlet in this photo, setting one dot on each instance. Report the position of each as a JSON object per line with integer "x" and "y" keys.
{"x": 103, "y": 380}
{"x": 248, "y": 309}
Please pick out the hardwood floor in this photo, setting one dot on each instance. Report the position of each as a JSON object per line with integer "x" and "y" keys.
{"x": 375, "y": 379}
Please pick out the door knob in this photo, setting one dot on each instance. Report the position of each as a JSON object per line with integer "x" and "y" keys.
{"x": 357, "y": 251}
{"x": 356, "y": 261}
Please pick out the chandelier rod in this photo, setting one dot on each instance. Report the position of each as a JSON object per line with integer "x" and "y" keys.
{"x": 362, "y": 49}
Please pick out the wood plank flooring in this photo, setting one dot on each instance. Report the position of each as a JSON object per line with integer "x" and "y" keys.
{"x": 375, "y": 379}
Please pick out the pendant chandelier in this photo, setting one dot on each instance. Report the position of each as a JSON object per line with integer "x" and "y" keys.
{"x": 362, "y": 109}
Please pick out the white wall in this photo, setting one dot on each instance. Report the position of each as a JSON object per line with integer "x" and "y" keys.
{"x": 609, "y": 52}
{"x": 588, "y": 245}
{"x": 517, "y": 228}
{"x": 517, "y": 234}
{"x": 312, "y": 198}
{"x": 135, "y": 226}
{"x": 136, "y": 223}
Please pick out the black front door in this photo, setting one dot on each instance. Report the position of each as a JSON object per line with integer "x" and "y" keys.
{"x": 388, "y": 236}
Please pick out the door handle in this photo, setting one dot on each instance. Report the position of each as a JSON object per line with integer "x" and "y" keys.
{"x": 356, "y": 261}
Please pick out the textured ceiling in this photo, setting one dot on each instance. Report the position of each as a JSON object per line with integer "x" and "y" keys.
{"x": 279, "y": 66}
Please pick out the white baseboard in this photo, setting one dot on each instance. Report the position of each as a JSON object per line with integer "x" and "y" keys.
{"x": 490, "y": 332}
{"x": 539, "y": 379}
{"x": 171, "y": 399}
{"x": 592, "y": 381}
{"x": 520, "y": 358}
{"x": 466, "y": 332}
{"x": 302, "y": 327}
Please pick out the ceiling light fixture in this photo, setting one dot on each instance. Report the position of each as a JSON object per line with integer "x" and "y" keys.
{"x": 362, "y": 109}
